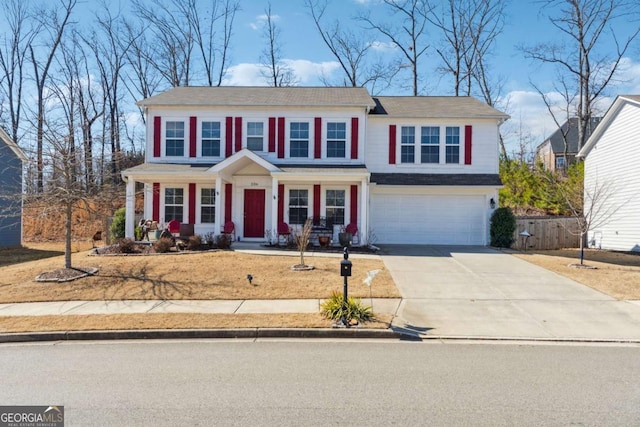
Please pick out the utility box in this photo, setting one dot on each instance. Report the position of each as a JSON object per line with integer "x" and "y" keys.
{"x": 345, "y": 268}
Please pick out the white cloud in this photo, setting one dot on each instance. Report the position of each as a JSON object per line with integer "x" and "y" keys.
{"x": 306, "y": 72}
{"x": 382, "y": 46}
{"x": 261, "y": 20}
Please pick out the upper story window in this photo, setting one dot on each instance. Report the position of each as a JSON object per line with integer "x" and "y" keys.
{"x": 335, "y": 206}
{"x": 210, "y": 139}
{"x": 560, "y": 163}
{"x": 408, "y": 144}
{"x": 299, "y": 139}
{"x": 255, "y": 136}
{"x": 173, "y": 204}
{"x": 452, "y": 144}
{"x": 336, "y": 139}
{"x": 174, "y": 139}
{"x": 207, "y": 205}
{"x": 298, "y": 206}
{"x": 430, "y": 144}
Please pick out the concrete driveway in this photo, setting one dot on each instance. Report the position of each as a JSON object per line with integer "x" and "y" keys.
{"x": 468, "y": 291}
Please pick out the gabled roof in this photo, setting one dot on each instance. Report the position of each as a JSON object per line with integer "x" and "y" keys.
{"x": 241, "y": 159}
{"x": 570, "y": 127}
{"x": 434, "y": 106}
{"x": 611, "y": 113}
{"x": 262, "y": 97}
{"x": 12, "y": 145}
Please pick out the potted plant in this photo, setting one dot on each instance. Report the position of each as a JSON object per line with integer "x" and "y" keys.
{"x": 344, "y": 237}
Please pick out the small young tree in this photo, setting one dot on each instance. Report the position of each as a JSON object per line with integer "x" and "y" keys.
{"x": 301, "y": 238}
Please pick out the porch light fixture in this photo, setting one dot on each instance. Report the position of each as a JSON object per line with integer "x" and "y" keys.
{"x": 492, "y": 203}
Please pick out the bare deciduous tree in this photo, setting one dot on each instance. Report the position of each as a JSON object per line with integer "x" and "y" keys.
{"x": 274, "y": 69}
{"x": 584, "y": 27}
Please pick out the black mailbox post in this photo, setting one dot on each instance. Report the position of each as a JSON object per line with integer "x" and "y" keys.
{"x": 345, "y": 271}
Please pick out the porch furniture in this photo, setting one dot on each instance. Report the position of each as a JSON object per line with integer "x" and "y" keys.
{"x": 186, "y": 232}
{"x": 229, "y": 229}
{"x": 174, "y": 227}
{"x": 284, "y": 230}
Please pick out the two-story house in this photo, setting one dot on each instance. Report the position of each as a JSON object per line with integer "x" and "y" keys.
{"x": 559, "y": 151}
{"x": 11, "y": 165}
{"x": 405, "y": 169}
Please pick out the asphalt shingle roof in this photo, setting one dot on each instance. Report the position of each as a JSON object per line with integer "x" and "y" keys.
{"x": 434, "y": 106}
{"x": 557, "y": 141}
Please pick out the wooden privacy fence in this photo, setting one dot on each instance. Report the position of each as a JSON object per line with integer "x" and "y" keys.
{"x": 547, "y": 232}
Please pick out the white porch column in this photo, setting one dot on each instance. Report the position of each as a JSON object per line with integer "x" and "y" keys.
{"x": 218, "y": 215}
{"x": 364, "y": 211}
{"x": 274, "y": 205}
{"x": 130, "y": 206}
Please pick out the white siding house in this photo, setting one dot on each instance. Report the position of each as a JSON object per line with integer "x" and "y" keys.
{"x": 612, "y": 181}
{"x": 405, "y": 169}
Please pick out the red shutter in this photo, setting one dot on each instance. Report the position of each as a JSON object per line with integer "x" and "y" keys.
{"x": 354, "y": 205}
{"x": 156, "y": 202}
{"x": 392, "y": 144}
{"x": 467, "y": 145}
{"x": 157, "y": 129}
{"x": 272, "y": 134}
{"x": 317, "y": 132}
{"x": 354, "y": 138}
{"x": 228, "y": 136}
{"x": 192, "y": 204}
{"x": 238, "y": 134}
{"x": 228, "y": 189}
{"x": 280, "y": 202}
{"x": 316, "y": 202}
{"x": 193, "y": 129}
{"x": 281, "y": 137}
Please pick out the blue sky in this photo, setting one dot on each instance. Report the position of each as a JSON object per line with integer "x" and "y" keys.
{"x": 307, "y": 55}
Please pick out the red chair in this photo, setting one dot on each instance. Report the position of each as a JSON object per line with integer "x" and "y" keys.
{"x": 174, "y": 227}
{"x": 230, "y": 229}
{"x": 353, "y": 230}
{"x": 284, "y": 230}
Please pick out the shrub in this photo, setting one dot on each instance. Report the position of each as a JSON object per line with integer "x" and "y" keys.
{"x": 223, "y": 241}
{"x": 163, "y": 245}
{"x": 334, "y": 309}
{"x": 117, "y": 226}
{"x": 125, "y": 246}
{"x": 138, "y": 232}
{"x": 194, "y": 243}
{"x": 503, "y": 225}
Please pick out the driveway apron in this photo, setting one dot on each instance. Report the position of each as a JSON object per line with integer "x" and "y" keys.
{"x": 477, "y": 292}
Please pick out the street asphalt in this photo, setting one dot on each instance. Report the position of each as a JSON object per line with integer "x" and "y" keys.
{"x": 448, "y": 292}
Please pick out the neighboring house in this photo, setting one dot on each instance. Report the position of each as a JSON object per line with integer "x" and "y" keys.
{"x": 612, "y": 156}
{"x": 403, "y": 169}
{"x": 552, "y": 152}
{"x": 11, "y": 161}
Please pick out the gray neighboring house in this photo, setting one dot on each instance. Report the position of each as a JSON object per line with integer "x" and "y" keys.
{"x": 552, "y": 151}
{"x": 11, "y": 162}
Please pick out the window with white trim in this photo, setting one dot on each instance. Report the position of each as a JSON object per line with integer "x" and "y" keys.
{"x": 430, "y": 144}
{"x": 174, "y": 204}
{"x": 560, "y": 163}
{"x": 255, "y": 136}
{"x": 298, "y": 206}
{"x": 407, "y": 144}
{"x": 210, "y": 139}
{"x": 207, "y": 205}
{"x": 452, "y": 144}
{"x": 336, "y": 139}
{"x": 174, "y": 138}
{"x": 299, "y": 139}
{"x": 335, "y": 206}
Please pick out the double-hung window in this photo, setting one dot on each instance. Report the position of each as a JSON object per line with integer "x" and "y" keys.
{"x": 452, "y": 144}
{"x": 407, "y": 144}
{"x": 299, "y": 139}
{"x": 255, "y": 136}
{"x": 430, "y": 144}
{"x": 173, "y": 204}
{"x": 336, "y": 139}
{"x": 210, "y": 139}
{"x": 335, "y": 206}
{"x": 298, "y": 206}
{"x": 207, "y": 205}
{"x": 174, "y": 139}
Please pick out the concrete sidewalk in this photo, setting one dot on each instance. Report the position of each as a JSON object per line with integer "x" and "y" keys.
{"x": 380, "y": 305}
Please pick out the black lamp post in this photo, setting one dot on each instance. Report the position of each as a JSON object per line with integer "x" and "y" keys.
{"x": 345, "y": 271}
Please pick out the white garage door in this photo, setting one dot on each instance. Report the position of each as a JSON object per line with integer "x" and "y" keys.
{"x": 427, "y": 219}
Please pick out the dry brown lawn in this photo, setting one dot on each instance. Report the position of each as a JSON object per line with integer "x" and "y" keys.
{"x": 208, "y": 275}
{"x": 616, "y": 274}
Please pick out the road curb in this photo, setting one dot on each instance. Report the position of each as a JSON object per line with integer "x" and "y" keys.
{"x": 248, "y": 333}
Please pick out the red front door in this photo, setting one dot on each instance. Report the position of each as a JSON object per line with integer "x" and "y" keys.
{"x": 254, "y": 213}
